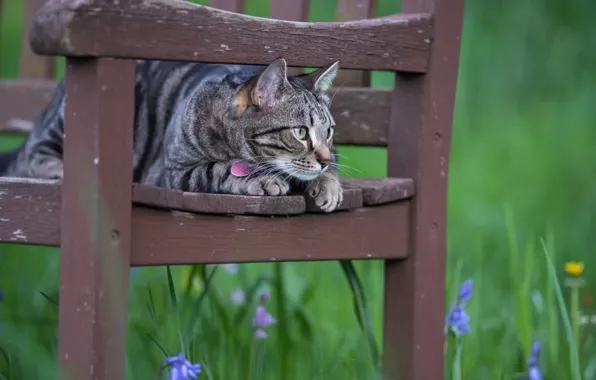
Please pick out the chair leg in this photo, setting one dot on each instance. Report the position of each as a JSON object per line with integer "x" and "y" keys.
{"x": 96, "y": 219}
{"x": 413, "y": 319}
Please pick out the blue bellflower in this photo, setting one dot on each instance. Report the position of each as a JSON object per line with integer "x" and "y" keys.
{"x": 181, "y": 368}
{"x": 533, "y": 369}
{"x": 458, "y": 320}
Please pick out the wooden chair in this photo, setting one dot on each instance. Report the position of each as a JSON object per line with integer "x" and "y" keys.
{"x": 22, "y": 99}
{"x": 104, "y": 225}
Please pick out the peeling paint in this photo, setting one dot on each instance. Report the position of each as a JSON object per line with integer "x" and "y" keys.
{"x": 18, "y": 235}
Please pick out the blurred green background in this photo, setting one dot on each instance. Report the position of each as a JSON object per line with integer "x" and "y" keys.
{"x": 522, "y": 168}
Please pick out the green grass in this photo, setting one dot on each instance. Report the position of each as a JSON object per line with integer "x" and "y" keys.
{"x": 522, "y": 169}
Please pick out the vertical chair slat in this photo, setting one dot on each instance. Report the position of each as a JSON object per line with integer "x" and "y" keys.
{"x": 1, "y": 13}
{"x": 350, "y": 10}
{"x": 32, "y": 65}
{"x": 419, "y": 142}
{"x": 96, "y": 219}
{"x": 290, "y": 10}
{"x": 228, "y": 5}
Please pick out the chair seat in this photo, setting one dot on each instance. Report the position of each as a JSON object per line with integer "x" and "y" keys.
{"x": 177, "y": 227}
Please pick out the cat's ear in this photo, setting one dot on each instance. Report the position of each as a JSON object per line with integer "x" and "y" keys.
{"x": 322, "y": 79}
{"x": 270, "y": 84}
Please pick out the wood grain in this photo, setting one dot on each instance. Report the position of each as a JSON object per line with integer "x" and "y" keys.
{"x": 378, "y": 191}
{"x": 31, "y": 207}
{"x": 96, "y": 219}
{"x": 218, "y": 203}
{"x": 361, "y": 116}
{"x": 419, "y": 147}
{"x": 29, "y": 211}
{"x": 178, "y": 30}
{"x": 182, "y": 238}
{"x": 31, "y": 215}
{"x": 348, "y": 10}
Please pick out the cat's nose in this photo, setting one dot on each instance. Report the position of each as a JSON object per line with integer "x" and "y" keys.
{"x": 323, "y": 161}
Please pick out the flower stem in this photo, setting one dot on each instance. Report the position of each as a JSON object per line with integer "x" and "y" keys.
{"x": 574, "y": 310}
{"x": 251, "y": 361}
{"x": 457, "y": 361}
{"x": 282, "y": 327}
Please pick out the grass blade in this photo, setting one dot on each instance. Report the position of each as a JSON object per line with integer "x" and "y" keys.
{"x": 564, "y": 315}
{"x": 282, "y": 320}
{"x": 197, "y": 305}
{"x": 361, "y": 309}
{"x": 49, "y": 299}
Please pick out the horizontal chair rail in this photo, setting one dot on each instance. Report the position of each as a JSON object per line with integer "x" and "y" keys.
{"x": 178, "y": 30}
{"x": 21, "y": 100}
{"x": 361, "y": 114}
{"x": 30, "y": 212}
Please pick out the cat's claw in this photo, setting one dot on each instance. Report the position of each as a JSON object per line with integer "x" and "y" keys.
{"x": 268, "y": 185}
{"x": 327, "y": 193}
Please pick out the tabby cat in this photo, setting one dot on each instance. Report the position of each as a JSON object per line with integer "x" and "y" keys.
{"x": 213, "y": 128}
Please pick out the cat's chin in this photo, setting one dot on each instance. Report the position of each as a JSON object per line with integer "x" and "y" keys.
{"x": 306, "y": 176}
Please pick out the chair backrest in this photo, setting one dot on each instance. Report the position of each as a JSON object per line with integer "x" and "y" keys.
{"x": 361, "y": 113}
{"x": 21, "y": 99}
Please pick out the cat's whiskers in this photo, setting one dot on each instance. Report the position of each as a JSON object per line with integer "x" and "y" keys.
{"x": 268, "y": 167}
{"x": 336, "y": 91}
{"x": 344, "y": 168}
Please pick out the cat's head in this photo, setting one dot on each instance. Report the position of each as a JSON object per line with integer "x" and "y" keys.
{"x": 287, "y": 120}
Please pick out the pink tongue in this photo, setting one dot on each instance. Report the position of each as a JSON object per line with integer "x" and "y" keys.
{"x": 241, "y": 169}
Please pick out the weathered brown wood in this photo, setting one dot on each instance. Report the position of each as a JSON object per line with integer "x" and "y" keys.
{"x": 218, "y": 203}
{"x": 352, "y": 198}
{"x": 183, "y": 238}
{"x": 419, "y": 142}
{"x": 243, "y": 205}
{"x": 177, "y": 30}
{"x": 348, "y": 10}
{"x": 157, "y": 197}
{"x": 377, "y": 191}
{"x": 30, "y": 64}
{"x": 21, "y": 101}
{"x": 29, "y": 211}
{"x": 1, "y": 13}
{"x": 295, "y": 10}
{"x": 96, "y": 219}
{"x": 361, "y": 116}
{"x": 31, "y": 208}
{"x": 228, "y": 5}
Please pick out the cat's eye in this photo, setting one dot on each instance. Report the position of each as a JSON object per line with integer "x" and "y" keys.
{"x": 330, "y": 133}
{"x": 301, "y": 133}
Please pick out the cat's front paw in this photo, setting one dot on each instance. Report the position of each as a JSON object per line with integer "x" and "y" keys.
{"x": 327, "y": 193}
{"x": 268, "y": 185}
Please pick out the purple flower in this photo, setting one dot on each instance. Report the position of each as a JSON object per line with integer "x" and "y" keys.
{"x": 181, "y": 368}
{"x": 260, "y": 334}
{"x": 465, "y": 291}
{"x": 264, "y": 297}
{"x": 238, "y": 297}
{"x": 262, "y": 318}
{"x": 458, "y": 320}
{"x": 533, "y": 369}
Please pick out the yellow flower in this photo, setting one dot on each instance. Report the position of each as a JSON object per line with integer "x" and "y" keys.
{"x": 574, "y": 268}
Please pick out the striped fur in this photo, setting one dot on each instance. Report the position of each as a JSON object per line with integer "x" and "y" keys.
{"x": 193, "y": 121}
